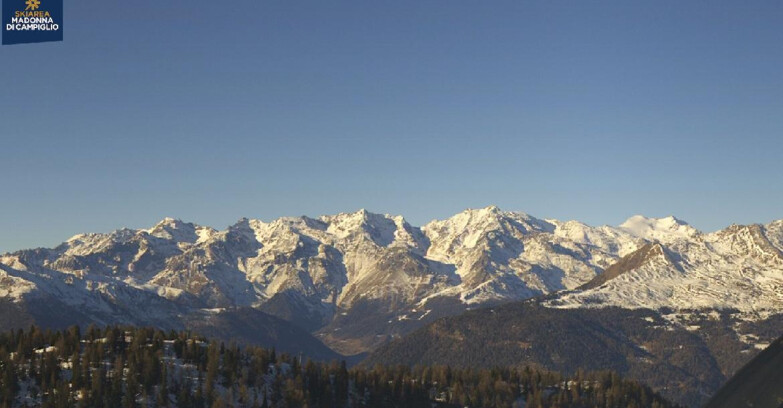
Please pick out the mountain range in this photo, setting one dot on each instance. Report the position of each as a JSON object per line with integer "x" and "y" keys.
{"x": 359, "y": 281}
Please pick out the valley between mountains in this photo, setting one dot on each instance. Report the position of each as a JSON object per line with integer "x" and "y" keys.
{"x": 654, "y": 299}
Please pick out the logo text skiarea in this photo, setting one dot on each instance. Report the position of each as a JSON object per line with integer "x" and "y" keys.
{"x": 32, "y": 21}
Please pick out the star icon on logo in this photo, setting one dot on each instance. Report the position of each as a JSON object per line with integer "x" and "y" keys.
{"x": 32, "y": 4}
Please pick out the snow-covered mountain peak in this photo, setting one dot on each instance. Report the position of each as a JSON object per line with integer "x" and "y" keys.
{"x": 774, "y": 232}
{"x": 380, "y": 228}
{"x": 355, "y": 218}
{"x": 614, "y": 240}
{"x": 294, "y": 224}
{"x": 316, "y": 270}
{"x": 764, "y": 243}
{"x": 776, "y": 224}
{"x": 665, "y": 229}
{"x": 244, "y": 228}
{"x": 169, "y": 221}
{"x": 490, "y": 218}
{"x": 481, "y": 230}
{"x": 82, "y": 244}
{"x": 176, "y": 230}
{"x": 80, "y": 238}
{"x": 490, "y": 211}
{"x": 739, "y": 267}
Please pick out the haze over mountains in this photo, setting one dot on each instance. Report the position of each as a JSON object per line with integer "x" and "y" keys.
{"x": 357, "y": 280}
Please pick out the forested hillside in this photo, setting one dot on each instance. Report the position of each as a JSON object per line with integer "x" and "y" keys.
{"x": 139, "y": 367}
{"x": 683, "y": 364}
{"x": 758, "y": 384}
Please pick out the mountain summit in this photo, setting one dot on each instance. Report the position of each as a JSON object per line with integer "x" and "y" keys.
{"x": 659, "y": 229}
{"x": 358, "y": 279}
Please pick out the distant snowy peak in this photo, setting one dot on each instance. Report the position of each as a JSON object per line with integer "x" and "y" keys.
{"x": 665, "y": 230}
{"x": 469, "y": 228}
{"x": 740, "y": 267}
{"x": 762, "y": 242}
{"x": 179, "y": 231}
{"x": 321, "y": 267}
{"x": 614, "y": 240}
{"x": 774, "y": 232}
{"x": 382, "y": 229}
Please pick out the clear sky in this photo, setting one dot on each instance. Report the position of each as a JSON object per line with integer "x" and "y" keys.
{"x": 210, "y": 111}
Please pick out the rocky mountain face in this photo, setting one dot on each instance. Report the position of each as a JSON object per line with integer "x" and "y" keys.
{"x": 326, "y": 275}
{"x": 682, "y": 311}
{"x": 357, "y": 280}
{"x": 740, "y": 267}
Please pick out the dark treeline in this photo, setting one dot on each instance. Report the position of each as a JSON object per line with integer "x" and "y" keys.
{"x": 141, "y": 367}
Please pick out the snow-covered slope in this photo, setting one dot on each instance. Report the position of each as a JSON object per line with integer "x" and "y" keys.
{"x": 740, "y": 267}
{"x": 358, "y": 277}
{"x": 505, "y": 255}
{"x": 665, "y": 230}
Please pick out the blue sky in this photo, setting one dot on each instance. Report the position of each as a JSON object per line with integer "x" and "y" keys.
{"x": 212, "y": 111}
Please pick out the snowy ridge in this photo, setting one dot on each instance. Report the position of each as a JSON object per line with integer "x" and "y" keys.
{"x": 665, "y": 230}
{"x": 740, "y": 267}
{"x": 313, "y": 271}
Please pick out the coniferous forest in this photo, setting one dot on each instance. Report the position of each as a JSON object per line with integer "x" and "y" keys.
{"x": 143, "y": 367}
